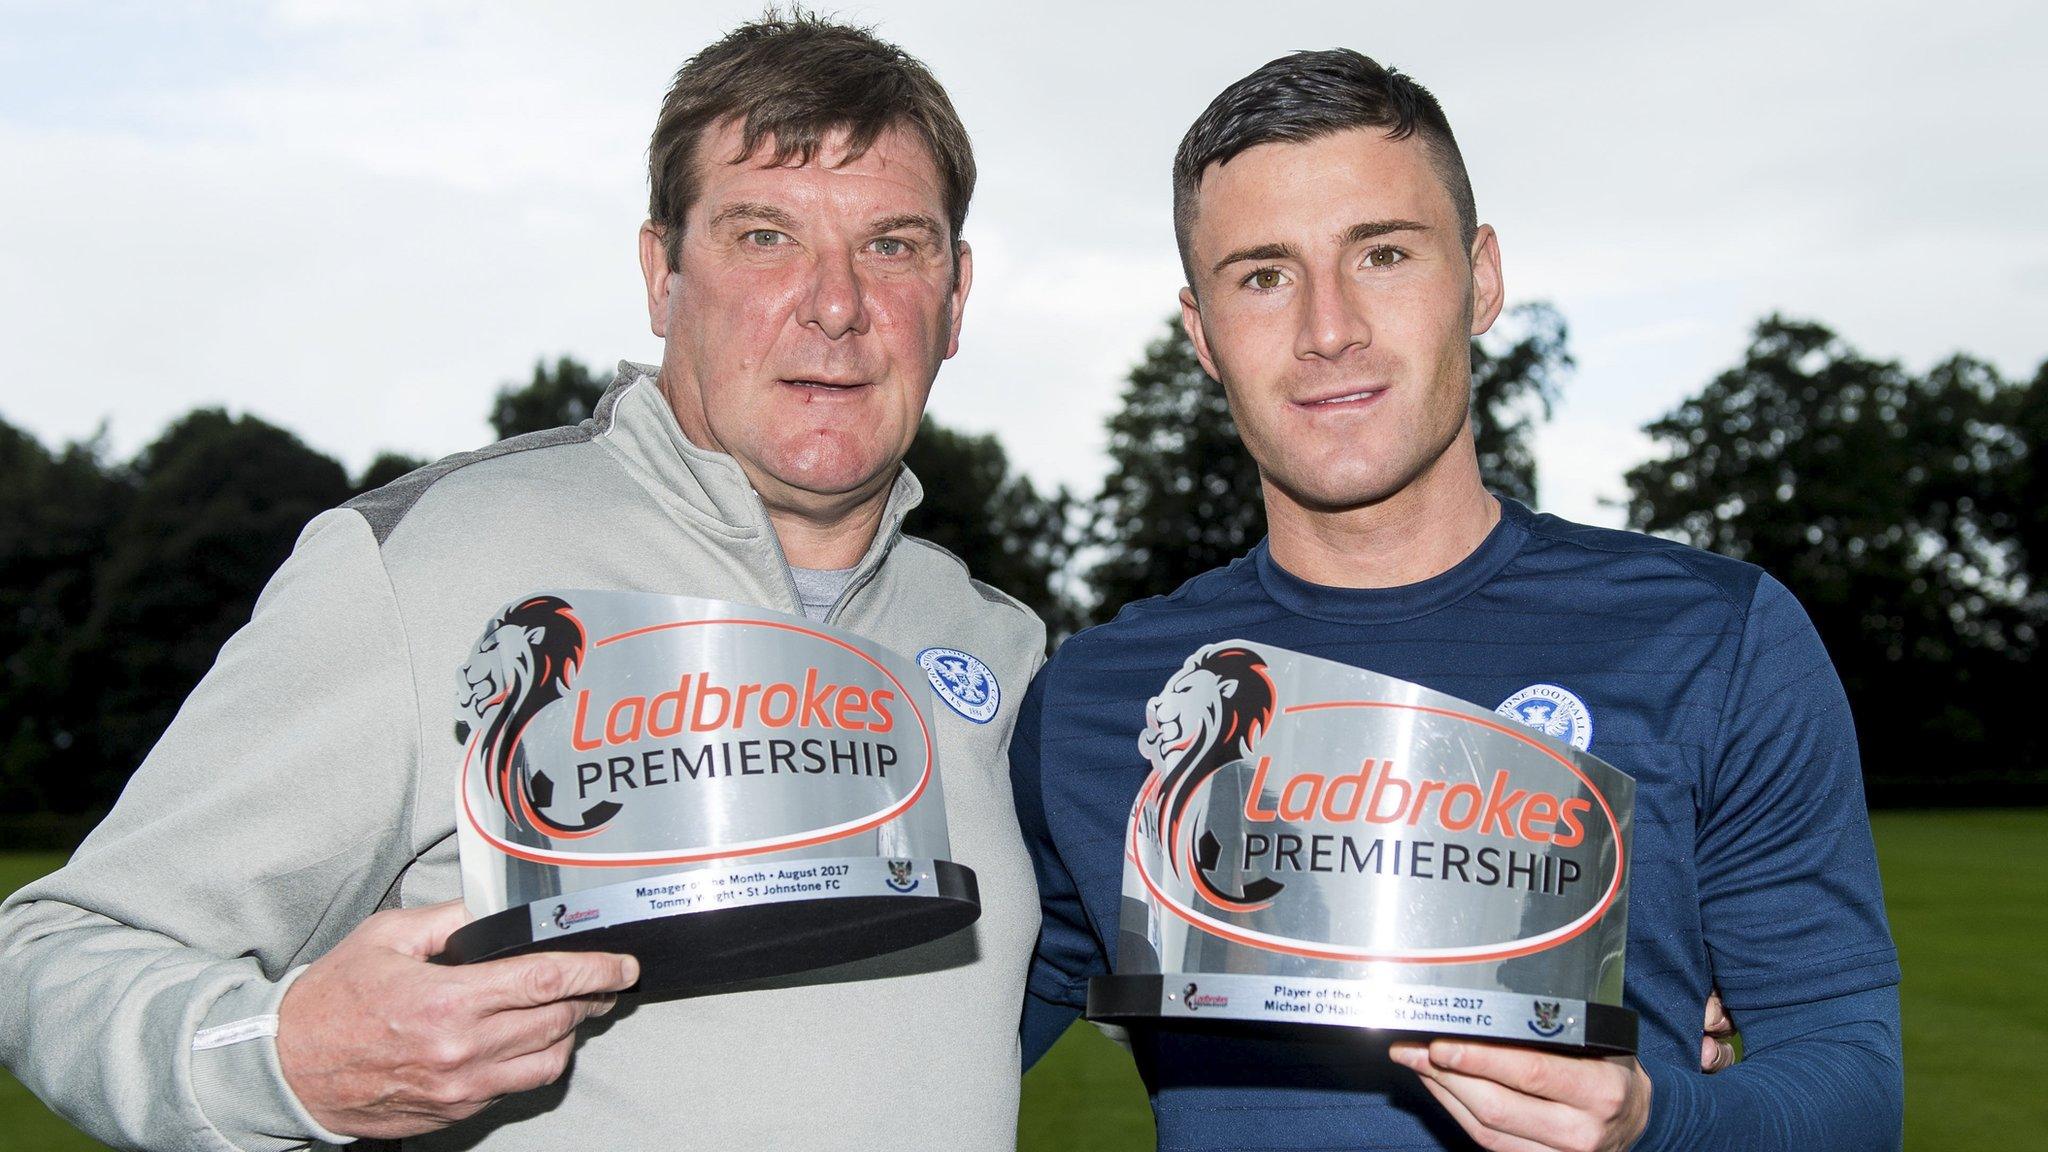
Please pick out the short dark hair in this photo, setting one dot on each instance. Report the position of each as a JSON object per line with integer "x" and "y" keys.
{"x": 1306, "y": 96}
{"x": 797, "y": 79}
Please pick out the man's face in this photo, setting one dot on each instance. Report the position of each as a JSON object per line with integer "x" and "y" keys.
{"x": 808, "y": 313}
{"x": 1336, "y": 303}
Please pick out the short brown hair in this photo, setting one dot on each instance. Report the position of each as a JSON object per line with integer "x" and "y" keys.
{"x": 1306, "y": 96}
{"x": 798, "y": 79}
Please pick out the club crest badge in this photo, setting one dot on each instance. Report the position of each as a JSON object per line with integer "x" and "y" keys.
{"x": 1552, "y": 711}
{"x": 967, "y": 685}
{"x": 901, "y": 878}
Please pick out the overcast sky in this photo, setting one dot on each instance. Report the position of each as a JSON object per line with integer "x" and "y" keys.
{"x": 358, "y": 221}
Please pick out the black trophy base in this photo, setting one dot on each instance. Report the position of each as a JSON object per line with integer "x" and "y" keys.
{"x": 1247, "y": 1005}
{"x": 694, "y": 951}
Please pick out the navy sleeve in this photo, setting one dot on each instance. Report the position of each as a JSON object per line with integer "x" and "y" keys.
{"x": 1790, "y": 904}
{"x": 1813, "y": 1077}
{"x": 1067, "y": 953}
{"x": 1792, "y": 913}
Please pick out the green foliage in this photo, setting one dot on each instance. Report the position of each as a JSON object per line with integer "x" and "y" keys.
{"x": 1896, "y": 508}
{"x": 1182, "y": 495}
{"x": 388, "y": 466}
{"x": 566, "y": 395}
{"x": 1515, "y": 384}
{"x": 119, "y": 583}
{"x": 57, "y": 512}
{"x": 2024, "y": 497}
{"x": 216, "y": 503}
{"x": 998, "y": 524}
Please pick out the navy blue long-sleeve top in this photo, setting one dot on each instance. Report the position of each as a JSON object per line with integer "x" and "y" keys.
{"x": 1752, "y": 868}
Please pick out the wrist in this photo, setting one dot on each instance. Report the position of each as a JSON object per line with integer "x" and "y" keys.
{"x": 1676, "y": 1094}
{"x": 238, "y": 1076}
{"x": 1645, "y": 1093}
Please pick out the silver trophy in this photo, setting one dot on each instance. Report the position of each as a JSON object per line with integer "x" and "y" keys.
{"x": 1318, "y": 844}
{"x": 726, "y": 792}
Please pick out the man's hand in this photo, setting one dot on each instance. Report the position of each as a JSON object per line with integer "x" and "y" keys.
{"x": 1716, "y": 1052}
{"x": 376, "y": 1042}
{"x": 1518, "y": 1100}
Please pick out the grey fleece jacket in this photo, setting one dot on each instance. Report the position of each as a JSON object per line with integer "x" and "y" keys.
{"x": 309, "y": 780}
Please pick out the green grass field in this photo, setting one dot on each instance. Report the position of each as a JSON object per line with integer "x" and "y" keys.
{"x": 1968, "y": 894}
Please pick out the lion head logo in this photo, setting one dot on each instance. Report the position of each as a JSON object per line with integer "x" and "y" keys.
{"x": 523, "y": 663}
{"x": 1207, "y": 716}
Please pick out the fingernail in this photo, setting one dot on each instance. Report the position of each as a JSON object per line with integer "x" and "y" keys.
{"x": 631, "y": 969}
{"x": 1446, "y": 1055}
{"x": 605, "y": 1006}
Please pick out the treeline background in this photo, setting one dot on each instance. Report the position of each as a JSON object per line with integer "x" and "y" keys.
{"x": 1908, "y": 511}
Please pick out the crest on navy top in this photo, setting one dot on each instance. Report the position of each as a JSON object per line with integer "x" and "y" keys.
{"x": 966, "y": 684}
{"x": 1552, "y": 711}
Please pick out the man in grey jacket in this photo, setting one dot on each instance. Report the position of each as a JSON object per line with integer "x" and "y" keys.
{"x": 237, "y": 957}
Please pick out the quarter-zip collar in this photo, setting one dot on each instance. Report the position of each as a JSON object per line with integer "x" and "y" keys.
{"x": 708, "y": 488}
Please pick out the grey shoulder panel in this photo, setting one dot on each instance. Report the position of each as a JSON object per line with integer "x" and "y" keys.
{"x": 987, "y": 592}
{"x": 385, "y": 507}
{"x": 995, "y": 595}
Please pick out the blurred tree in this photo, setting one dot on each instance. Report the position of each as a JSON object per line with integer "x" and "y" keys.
{"x": 1891, "y": 505}
{"x": 56, "y": 511}
{"x": 1182, "y": 495}
{"x": 1515, "y": 382}
{"x": 552, "y": 399}
{"x": 1008, "y": 535}
{"x": 2026, "y": 496}
{"x": 218, "y": 501}
{"x": 388, "y": 466}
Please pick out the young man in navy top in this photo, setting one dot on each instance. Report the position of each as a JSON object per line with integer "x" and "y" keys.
{"x": 1336, "y": 274}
